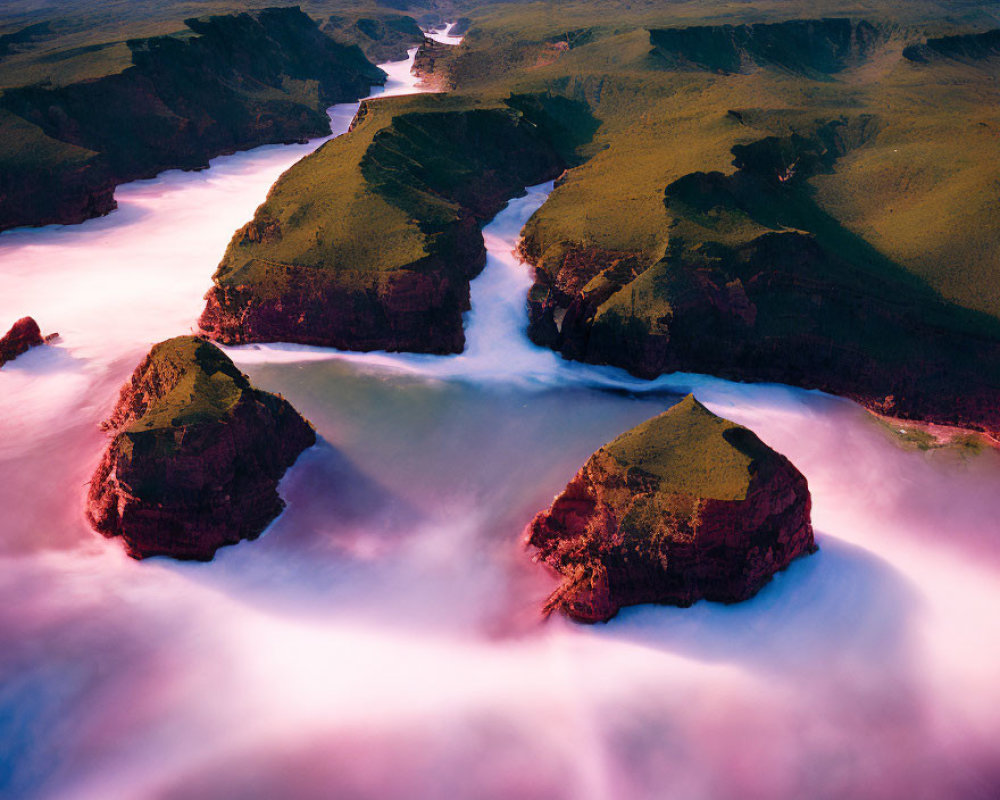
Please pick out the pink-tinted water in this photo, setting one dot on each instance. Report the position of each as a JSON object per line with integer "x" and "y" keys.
{"x": 383, "y": 640}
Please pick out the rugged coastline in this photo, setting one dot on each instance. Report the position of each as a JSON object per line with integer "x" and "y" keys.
{"x": 760, "y": 284}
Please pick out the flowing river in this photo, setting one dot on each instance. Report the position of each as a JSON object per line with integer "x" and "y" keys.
{"x": 383, "y": 638}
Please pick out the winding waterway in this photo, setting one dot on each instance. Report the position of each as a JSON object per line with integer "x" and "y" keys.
{"x": 383, "y": 638}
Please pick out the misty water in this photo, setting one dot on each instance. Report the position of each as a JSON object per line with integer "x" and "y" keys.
{"x": 383, "y": 638}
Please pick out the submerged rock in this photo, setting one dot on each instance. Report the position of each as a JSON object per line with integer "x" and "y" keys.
{"x": 23, "y": 335}
{"x": 685, "y": 506}
{"x": 196, "y": 455}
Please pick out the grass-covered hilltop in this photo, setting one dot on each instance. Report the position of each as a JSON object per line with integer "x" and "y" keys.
{"x": 195, "y": 455}
{"x": 788, "y": 192}
{"x": 685, "y": 506}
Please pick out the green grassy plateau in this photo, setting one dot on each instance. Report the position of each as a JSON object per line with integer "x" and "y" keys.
{"x": 692, "y": 452}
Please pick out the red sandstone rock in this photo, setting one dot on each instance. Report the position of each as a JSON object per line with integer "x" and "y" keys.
{"x": 891, "y": 350}
{"x": 412, "y": 310}
{"x": 683, "y": 507}
{"x": 24, "y": 335}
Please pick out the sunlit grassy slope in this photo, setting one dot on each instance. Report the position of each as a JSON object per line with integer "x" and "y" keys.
{"x": 922, "y": 191}
{"x": 327, "y": 216}
{"x": 692, "y": 452}
{"x": 380, "y": 197}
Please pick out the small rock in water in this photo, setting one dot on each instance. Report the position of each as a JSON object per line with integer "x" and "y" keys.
{"x": 24, "y": 335}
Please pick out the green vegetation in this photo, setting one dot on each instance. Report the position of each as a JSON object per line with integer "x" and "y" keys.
{"x": 326, "y": 217}
{"x": 411, "y": 167}
{"x": 64, "y": 43}
{"x": 693, "y": 452}
{"x": 205, "y": 385}
{"x": 197, "y": 385}
{"x": 225, "y": 83}
{"x": 919, "y": 192}
{"x": 26, "y": 144}
{"x": 764, "y": 190}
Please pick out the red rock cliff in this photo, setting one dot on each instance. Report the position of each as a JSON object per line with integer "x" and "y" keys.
{"x": 685, "y": 506}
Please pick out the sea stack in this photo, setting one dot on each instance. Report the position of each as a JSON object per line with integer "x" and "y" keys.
{"x": 23, "y": 335}
{"x": 195, "y": 456}
{"x": 685, "y": 506}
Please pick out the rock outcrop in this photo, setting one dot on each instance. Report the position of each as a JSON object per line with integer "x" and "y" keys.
{"x": 238, "y": 81}
{"x": 195, "y": 456}
{"x": 968, "y": 48}
{"x": 417, "y": 308}
{"x": 686, "y": 506}
{"x": 431, "y": 64}
{"x": 23, "y": 335}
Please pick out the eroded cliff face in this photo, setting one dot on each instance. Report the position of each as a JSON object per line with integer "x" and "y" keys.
{"x": 448, "y": 172}
{"x": 417, "y": 308}
{"x": 431, "y": 64}
{"x": 73, "y": 191}
{"x": 759, "y": 284}
{"x": 240, "y": 81}
{"x": 684, "y": 507}
{"x": 973, "y": 48}
{"x": 195, "y": 456}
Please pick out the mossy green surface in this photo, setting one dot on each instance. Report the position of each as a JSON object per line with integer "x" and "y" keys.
{"x": 329, "y": 218}
{"x": 693, "y": 452}
{"x": 86, "y": 39}
{"x": 383, "y": 36}
{"x": 207, "y": 387}
{"x": 27, "y": 144}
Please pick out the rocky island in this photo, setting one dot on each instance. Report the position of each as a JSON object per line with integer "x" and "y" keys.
{"x": 22, "y": 336}
{"x": 685, "y": 506}
{"x": 195, "y": 456}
